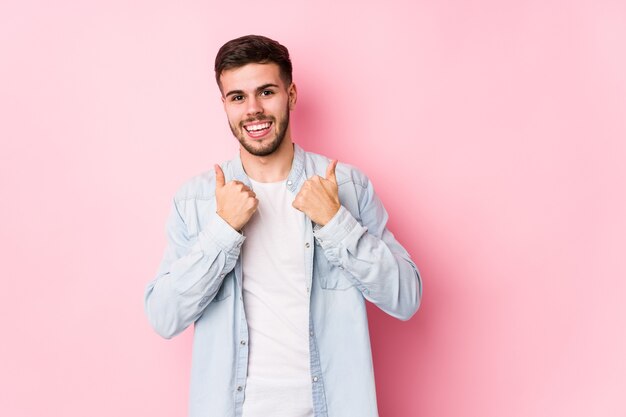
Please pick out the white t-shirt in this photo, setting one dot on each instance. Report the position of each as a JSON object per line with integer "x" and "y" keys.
{"x": 276, "y": 303}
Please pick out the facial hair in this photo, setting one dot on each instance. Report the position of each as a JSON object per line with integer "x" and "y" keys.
{"x": 269, "y": 148}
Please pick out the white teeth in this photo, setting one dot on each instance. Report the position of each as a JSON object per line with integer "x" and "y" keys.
{"x": 257, "y": 127}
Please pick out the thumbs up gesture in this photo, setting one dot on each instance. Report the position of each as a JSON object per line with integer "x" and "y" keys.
{"x": 236, "y": 203}
{"x": 319, "y": 197}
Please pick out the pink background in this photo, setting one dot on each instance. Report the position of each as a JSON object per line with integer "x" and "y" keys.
{"x": 494, "y": 131}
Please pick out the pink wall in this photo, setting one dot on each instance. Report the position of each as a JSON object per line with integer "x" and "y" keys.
{"x": 493, "y": 130}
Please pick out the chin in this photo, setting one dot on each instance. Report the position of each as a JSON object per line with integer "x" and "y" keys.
{"x": 263, "y": 150}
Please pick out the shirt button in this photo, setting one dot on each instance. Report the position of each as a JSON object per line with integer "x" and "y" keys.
{"x": 243, "y": 342}
{"x": 239, "y": 388}
{"x": 340, "y": 267}
{"x": 314, "y": 379}
{"x": 307, "y": 244}
{"x": 311, "y": 333}
{"x": 289, "y": 182}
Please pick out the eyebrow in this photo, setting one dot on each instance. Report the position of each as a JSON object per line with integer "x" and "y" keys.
{"x": 240, "y": 92}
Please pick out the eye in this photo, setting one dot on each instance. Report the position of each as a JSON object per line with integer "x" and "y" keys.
{"x": 266, "y": 93}
{"x": 236, "y": 98}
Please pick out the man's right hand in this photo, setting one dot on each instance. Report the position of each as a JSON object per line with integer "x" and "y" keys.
{"x": 236, "y": 203}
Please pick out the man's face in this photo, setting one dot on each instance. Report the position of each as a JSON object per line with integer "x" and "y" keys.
{"x": 257, "y": 103}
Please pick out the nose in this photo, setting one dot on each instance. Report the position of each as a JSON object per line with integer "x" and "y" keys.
{"x": 254, "y": 106}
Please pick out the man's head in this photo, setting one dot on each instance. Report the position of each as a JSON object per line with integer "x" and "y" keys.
{"x": 252, "y": 49}
{"x": 254, "y": 76}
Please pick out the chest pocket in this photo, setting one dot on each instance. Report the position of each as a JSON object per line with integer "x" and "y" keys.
{"x": 330, "y": 276}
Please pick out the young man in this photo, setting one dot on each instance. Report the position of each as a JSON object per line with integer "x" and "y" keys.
{"x": 271, "y": 256}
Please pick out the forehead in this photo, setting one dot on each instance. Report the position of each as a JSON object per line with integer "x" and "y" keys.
{"x": 250, "y": 76}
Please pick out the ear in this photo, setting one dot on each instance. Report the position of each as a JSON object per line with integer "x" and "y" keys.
{"x": 293, "y": 96}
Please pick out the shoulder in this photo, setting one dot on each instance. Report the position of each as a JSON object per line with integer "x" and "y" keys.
{"x": 346, "y": 173}
{"x": 201, "y": 186}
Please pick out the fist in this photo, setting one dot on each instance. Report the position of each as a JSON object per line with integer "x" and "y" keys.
{"x": 319, "y": 197}
{"x": 236, "y": 203}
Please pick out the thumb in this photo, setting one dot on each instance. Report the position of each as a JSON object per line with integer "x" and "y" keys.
{"x": 220, "y": 180}
{"x": 330, "y": 171}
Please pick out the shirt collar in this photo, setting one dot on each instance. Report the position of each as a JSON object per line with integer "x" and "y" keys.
{"x": 294, "y": 179}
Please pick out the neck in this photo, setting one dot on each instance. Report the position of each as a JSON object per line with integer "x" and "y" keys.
{"x": 271, "y": 168}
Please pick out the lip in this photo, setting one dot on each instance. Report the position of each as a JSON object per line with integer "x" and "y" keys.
{"x": 256, "y": 122}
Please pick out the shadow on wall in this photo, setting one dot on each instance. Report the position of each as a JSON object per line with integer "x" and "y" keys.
{"x": 408, "y": 366}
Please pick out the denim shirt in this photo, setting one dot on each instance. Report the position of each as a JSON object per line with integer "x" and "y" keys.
{"x": 351, "y": 259}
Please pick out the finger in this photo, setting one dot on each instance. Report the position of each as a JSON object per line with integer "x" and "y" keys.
{"x": 297, "y": 204}
{"x": 330, "y": 171}
{"x": 252, "y": 204}
{"x": 220, "y": 180}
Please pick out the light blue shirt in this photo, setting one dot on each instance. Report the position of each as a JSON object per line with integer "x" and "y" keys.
{"x": 351, "y": 259}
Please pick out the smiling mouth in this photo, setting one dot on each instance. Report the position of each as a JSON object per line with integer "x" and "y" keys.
{"x": 258, "y": 129}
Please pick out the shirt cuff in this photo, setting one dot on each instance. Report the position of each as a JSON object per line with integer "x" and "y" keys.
{"x": 336, "y": 229}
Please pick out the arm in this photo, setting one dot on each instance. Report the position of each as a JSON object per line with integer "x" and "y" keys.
{"x": 371, "y": 257}
{"x": 190, "y": 274}
{"x": 193, "y": 269}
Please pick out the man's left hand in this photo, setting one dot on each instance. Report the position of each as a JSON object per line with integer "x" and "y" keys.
{"x": 319, "y": 197}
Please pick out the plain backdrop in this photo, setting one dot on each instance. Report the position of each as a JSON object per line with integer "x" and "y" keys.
{"x": 493, "y": 131}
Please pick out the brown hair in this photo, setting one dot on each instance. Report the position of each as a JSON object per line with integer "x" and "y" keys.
{"x": 252, "y": 49}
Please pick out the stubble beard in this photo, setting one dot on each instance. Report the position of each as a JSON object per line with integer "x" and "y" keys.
{"x": 269, "y": 148}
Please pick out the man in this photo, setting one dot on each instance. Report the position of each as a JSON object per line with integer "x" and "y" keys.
{"x": 271, "y": 256}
